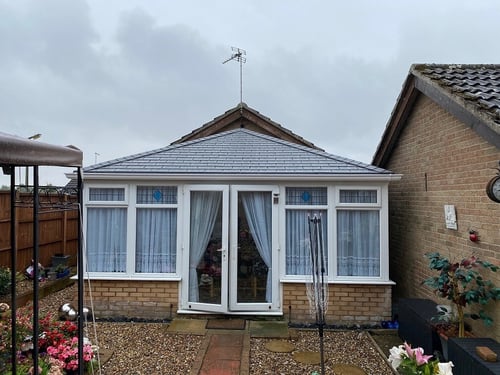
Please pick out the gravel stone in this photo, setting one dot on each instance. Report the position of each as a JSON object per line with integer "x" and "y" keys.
{"x": 142, "y": 348}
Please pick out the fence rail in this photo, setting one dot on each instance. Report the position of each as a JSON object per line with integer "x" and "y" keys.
{"x": 58, "y": 227}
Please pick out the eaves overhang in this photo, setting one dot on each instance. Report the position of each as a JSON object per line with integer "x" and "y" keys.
{"x": 416, "y": 83}
{"x": 372, "y": 177}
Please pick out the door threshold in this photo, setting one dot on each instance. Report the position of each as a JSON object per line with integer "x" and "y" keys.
{"x": 234, "y": 313}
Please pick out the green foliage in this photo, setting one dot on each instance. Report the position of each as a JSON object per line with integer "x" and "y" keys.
{"x": 462, "y": 283}
{"x": 5, "y": 281}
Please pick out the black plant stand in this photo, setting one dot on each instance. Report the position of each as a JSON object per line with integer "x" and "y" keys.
{"x": 415, "y": 324}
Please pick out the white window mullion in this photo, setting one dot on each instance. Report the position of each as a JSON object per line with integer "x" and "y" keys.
{"x": 131, "y": 229}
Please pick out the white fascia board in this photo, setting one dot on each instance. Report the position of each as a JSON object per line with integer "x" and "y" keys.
{"x": 238, "y": 177}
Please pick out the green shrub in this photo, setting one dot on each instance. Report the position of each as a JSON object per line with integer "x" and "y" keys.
{"x": 5, "y": 281}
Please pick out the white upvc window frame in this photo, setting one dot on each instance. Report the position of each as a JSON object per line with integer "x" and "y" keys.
{"x": 381, "y": 205}
{"x": 284, "y": 277}
{"x": 130, "y": 203}
{"x": 333, "y": 205}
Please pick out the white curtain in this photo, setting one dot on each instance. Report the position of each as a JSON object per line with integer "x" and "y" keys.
{"x": 156, "y": 240}
{"x": 204, "y": 208}
{"x": 258, "y": 211}
{"x": 107, "y": 239}
{"x": 298, "y": 250}
{"x": 358, "y": 244}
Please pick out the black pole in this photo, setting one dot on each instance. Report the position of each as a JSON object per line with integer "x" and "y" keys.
{"x": 13, "y": 267}
{"x": 318, "y": 273}
{"x": 36, "y": 260}
{"x": 80, "y": 270}
{"x": 322, "y": 291}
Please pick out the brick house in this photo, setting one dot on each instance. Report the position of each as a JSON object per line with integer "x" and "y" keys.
{"x": 217, "y": 223}
{"x": 443, "y": 137}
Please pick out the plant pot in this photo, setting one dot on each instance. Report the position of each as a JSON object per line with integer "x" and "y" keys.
{"x": 59, "y": 260}
{"x": 444, "y": 342}
{"x": 444, "y": 345}
{"x": 62, "y": 274}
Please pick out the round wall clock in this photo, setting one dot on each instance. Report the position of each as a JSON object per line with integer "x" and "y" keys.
{"x": 493, "y": 189}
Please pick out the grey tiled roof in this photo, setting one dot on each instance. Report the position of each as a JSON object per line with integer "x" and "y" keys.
{"x": 236, "y": 152}
{"x": 477, "y": 85}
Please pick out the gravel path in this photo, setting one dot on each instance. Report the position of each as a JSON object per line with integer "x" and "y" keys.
{"x": 146, "y": 348}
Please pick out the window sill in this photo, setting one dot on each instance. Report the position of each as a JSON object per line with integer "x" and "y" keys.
{"x": 118, "y": 277}
{"x": 342, "y": 281}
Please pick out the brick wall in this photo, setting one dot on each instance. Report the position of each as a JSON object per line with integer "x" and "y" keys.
{"x": 134, "y": 299}
{"x": 442, "y": 162}
{"x": 347, "y": 304}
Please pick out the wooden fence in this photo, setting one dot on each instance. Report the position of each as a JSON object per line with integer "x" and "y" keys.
{"x": 58, "y": 229}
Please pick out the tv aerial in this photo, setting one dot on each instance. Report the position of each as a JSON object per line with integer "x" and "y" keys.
{"x": 238, "y": 55}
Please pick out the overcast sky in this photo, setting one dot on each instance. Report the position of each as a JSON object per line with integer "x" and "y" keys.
{"x": 118, "y": 77}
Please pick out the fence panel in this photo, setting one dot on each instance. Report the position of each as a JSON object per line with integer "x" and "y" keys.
{"x": 58, "y": 231}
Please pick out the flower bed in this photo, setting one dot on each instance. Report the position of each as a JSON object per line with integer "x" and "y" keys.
{"x": 57, "y": 344}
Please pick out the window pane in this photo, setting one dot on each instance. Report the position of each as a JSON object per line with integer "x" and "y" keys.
{"x": 156, "y": 240}
{"x": 107, "y": 194}
{"x": 298, "y": 251}
{"x": 306, "y": 196}
{"x": 358, "y": 243}
{"x": 358, "y": 196}
{"x": 157, "y": 194}
{"x": 106, "y": 239}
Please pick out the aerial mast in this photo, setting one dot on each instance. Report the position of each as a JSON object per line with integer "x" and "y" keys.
{"x": 238, "y": 55}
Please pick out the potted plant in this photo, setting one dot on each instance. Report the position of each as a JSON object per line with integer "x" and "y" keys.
{"x": 61, "y": 271}
{"x": 462, "y": 283}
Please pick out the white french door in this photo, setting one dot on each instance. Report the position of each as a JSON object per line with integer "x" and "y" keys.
{"x": 231, "y": 237}
{"x": 253, "y": 244}
{"x": 206, "y": 268}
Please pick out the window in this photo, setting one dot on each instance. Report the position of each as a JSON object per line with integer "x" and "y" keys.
{"x": 358, "y": 233}
{"x": 303, "y": 204}
{"x": 107, "y": 231}
{"x": 115, "y": 246}
{"x": 156, "y": 229}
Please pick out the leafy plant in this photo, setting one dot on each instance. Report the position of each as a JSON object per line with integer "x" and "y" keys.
{"x": 462, "y": 284}
{"x": 5, "y": 281}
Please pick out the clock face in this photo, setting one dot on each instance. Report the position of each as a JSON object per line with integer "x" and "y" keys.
{"x": 493, "y": 189}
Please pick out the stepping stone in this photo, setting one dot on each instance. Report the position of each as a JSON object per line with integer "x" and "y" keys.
{"x": 343, "y": 369}
{"x": 308, "y": 358}
{"x": 279, "y": 346}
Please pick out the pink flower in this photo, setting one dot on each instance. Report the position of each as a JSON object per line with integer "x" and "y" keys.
{"x": 420, "y": 357}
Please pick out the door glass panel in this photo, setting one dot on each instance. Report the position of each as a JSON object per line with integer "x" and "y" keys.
{"x": 205, "y": 257}
{"x": 254, "y": 247}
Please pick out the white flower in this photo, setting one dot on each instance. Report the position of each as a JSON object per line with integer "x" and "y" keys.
{"x": 445, "y": 368}
{"x": 395, "y": 356}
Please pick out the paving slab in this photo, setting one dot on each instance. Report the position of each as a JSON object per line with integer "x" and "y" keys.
{"x": 188, "y": 326}
{"x": 269, "y": 329}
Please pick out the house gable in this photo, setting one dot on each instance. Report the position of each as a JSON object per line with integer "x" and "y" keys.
{"x": 242, "y": 116}
{"x": 469, "y": 92}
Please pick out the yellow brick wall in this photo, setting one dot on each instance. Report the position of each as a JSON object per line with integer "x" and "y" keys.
{"x": 442, "y": 162}
{"x": 347, "y": 304}
{"x": 133, "y": 299}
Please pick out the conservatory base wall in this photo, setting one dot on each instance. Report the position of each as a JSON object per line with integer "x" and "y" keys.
{"x": 157, "y": 300}
{"x": 347, "y": 304}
